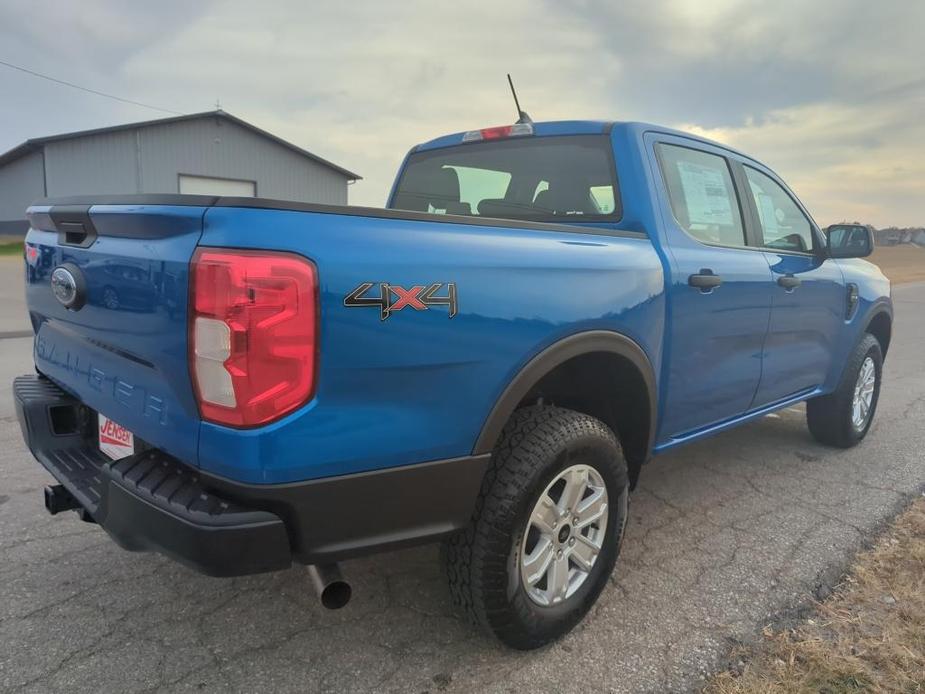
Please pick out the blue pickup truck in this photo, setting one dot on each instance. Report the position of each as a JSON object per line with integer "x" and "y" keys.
{"x": 243, "y": 384}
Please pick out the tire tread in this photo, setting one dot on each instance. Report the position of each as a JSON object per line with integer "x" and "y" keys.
{"x": 829, "y": 416}
{"x": 533, "y": 434}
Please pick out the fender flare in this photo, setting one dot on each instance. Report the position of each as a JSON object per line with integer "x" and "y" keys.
{"x": 558, "y": 353}
{"x": 878, "y": 308}
{"x": 875, "y": 310}
{"x": 881, "y": 308}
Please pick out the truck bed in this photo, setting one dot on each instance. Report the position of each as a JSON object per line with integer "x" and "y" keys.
{"x": 419, "y": 370}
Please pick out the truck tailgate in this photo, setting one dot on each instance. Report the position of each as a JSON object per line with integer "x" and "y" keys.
{"x": 122, "y": 347}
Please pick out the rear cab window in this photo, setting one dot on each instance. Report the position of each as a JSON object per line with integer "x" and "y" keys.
{"x": 565, "y": 179}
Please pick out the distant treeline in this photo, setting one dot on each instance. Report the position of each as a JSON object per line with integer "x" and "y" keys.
{"x": 892, "y": 236}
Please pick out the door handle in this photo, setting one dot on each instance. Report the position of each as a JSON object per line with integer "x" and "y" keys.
{"x": 789, "y": 282}
{"x": 705, "y": 280}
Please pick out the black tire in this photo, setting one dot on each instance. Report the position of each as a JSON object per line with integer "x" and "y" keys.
{"x": 482, "y": 562}
{"x": 830, "y": 416}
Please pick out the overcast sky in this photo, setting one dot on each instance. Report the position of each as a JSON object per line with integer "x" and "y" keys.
{"x": 829, "y": 93}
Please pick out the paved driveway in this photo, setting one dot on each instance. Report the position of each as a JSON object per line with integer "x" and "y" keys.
{"x": 725, "y": 536}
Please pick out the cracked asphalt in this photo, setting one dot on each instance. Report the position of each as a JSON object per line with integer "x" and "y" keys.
{"x": 724, "y": 536}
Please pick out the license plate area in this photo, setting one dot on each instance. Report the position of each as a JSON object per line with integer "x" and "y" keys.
{"x": 114, "y": 439}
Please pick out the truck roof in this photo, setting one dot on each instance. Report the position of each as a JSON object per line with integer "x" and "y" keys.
{"x": 581, "y": 127}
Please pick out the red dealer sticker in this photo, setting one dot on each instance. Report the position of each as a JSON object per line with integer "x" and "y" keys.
{"x": 115, "y": 440}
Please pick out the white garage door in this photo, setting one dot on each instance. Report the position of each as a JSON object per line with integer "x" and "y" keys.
{"x": 203, "y": 185}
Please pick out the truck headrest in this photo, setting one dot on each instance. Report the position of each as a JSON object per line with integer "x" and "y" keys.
{"x": 444, "y": 187}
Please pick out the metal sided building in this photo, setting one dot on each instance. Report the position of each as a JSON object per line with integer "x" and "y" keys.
{"x": 212, "y": 153}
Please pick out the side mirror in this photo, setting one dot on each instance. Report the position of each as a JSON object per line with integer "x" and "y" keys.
{"x": 849, "y": 240}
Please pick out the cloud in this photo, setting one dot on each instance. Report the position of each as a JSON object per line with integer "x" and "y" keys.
{"x": 861, "y": 161}
{"x": 362, "y": 83}
{"x": 93, "y": 35}
{"x": 826, "y": 92}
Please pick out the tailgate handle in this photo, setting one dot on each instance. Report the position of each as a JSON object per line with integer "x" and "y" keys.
{"x": 73, "y": 224}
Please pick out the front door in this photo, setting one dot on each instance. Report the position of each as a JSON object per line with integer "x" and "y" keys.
{"x": 809, "y": 297}
{"x": 719, "y": 293}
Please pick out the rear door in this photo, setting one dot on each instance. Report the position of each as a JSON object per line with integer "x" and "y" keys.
{"x": 122, "y": 347}
{"x": 719, "y": 292}
{"x": 809, "y": 295}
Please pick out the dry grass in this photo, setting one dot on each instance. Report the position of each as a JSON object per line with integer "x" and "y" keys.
{"x": 902, "y": 263}
{"x": 869, "y": 636}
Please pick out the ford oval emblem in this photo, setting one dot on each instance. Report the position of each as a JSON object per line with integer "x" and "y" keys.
{"x": 67, "y": 284}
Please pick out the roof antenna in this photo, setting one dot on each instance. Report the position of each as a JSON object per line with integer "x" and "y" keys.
{"x": 522, "y": 116}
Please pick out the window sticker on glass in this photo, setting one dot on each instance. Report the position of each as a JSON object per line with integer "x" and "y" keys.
{"x": 767, "y": 213}
{"x": 705, "y": 193}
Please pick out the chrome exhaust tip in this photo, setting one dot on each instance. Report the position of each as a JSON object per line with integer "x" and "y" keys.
{"x": 328, "y": 582}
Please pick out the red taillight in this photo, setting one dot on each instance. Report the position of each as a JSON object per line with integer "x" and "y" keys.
{"x": 499, "y": 132}
{"x": 253, "y": 334}
{"x": 496, "y": 133}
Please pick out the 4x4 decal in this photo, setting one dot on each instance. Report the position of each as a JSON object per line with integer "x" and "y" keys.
{"x": 392, "y": 297}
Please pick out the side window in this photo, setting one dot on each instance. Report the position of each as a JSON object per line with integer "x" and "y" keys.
{"x": 603, "y": 199}
{"x": 783, "y": 224}
{"x": 702, "y": 195}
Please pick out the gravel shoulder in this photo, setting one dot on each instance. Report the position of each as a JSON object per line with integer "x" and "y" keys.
{"x": 869, "y": 635}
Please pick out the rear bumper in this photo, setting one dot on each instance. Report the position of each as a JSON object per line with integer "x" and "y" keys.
{"x": 147, "y": 501}
{"x": 151, "y": 501}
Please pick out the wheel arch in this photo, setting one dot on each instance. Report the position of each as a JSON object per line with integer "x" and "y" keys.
{"x": 880, "y": 325}
{"x": 600, "y": 360}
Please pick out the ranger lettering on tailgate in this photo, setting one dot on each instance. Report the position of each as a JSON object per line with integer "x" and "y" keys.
{"x": 131, "y": 396}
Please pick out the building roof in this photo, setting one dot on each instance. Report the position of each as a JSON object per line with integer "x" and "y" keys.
{"x": 37, "y": 143}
